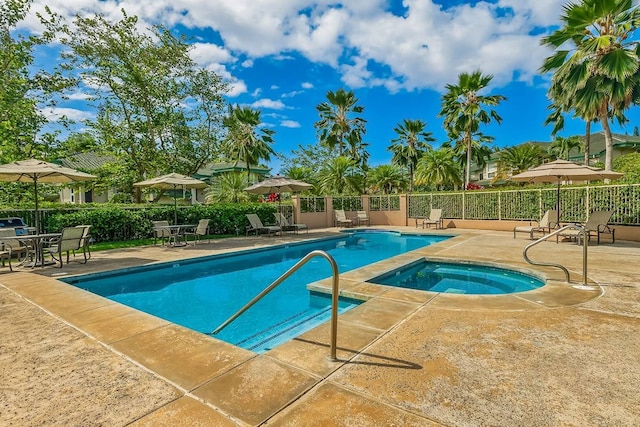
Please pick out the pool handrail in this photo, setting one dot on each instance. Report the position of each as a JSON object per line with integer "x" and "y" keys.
{"x": 582, "y": 233}
{"x": 282, "y": 278}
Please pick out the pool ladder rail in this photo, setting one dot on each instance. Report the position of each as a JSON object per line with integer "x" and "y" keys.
{"x": 582, "y": 236}
{"x": 282, "y": 278}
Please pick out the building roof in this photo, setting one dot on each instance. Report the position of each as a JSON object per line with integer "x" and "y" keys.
{"x": 597, "y": 144}
{"x": 89, "y": 160}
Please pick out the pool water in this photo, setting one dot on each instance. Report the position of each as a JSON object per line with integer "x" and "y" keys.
{"x": 459, "y": 278}
{"x": 201, "y": 293}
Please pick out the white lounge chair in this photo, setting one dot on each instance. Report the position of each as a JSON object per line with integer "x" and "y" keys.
{"x": 548, "y": 222}
{"x": 596, "y": 225}
{"x": 341, "y": 218}
{"x": 435, "y": 218}
{"x": 257, "y": 226}
{"x": 282, "y": 221}
{"x": 363, "y": 218}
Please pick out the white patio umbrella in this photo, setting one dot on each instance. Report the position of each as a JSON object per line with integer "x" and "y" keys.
{"x": 278, "y": 184}
{"x": 563, "y": 170}
{"x": 172, "y": 181}
{"x": 33, "y": 170}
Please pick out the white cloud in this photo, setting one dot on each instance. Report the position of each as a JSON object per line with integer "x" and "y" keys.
{"x": 268, "y": 103}
{"x": 79, "y": 96}
{"x": 55, "y": 114}
{"x": 289, "y": 124}
{"x": 256, "y": 93}
{"x": 307, "y": 85}
{"x": 236, "y": 88}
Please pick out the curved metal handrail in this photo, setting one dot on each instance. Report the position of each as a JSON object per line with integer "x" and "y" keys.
{"x": 334, "y": 297}
{"x": 583, "y": 235}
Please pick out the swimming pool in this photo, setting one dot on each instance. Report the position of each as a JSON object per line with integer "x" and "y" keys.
{"x": 201, "y": 293}
{"x": 459, "y": 278}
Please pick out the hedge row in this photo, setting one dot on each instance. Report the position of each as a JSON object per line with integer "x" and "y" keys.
{"x": 117, "y": 223}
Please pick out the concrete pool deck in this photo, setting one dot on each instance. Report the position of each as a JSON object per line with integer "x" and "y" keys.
{"x": 558, "y": 355}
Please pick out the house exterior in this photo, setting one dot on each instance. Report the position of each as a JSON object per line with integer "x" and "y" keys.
{"x": 82, "y": 193}
{"x": 622, "y": 144}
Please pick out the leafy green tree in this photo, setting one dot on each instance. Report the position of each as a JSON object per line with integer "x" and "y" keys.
{"x": 595, "y": 66}
{"x": 24, "y": 91}
{"x": 514, "y": 160}
{"x": 629, "y": 165}
{"x": 410, "y": 144}
{"x": 156, "y": 110}
{"x": 340, "y": 175}
{"x": 480, "y": 151}
{"x": 340, "y": 124}
{"x": 561, "y": 147}
{"x": 439, "y": 168}
{"x": 228, "y": 187}
{"x": 463, "y": 109}
{"x": 387, "y": 178}
{"x": 246, "y": 141}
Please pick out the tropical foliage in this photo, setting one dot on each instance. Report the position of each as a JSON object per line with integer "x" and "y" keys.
{"x": 387, "y": 179}
{"x": 410, "y": 144}
{"x": 464, "y": 110}
{"x": 439, "y": 168}
{"x": 514, "y": 160}
{"x": 340, "y": 124}
{"x": 227, "y": 187}
{"x": 595, "y": 64}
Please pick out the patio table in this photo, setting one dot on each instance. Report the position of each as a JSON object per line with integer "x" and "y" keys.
{"x": 177, "y": 233}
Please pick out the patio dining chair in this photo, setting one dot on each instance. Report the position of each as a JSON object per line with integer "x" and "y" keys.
{"x": 362, "y": 218}
{"x": 435, "y": 218}
{"x": 202, "y": 229}
{"x": 159, "y": 232}
{"x": 16, "y": 247}
{"x": 69, "y": 241}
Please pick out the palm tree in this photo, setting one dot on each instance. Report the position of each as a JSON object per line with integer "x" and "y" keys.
{"x": 228, "y": 187}
{"x": 339, "y": 119}
{"x": 561, "y": 147}
{"x": 463, "y": 112}
{"x": 480, "y": 151}
{"x": 386, "y": 178}
{"x": 245, "y": 141}
{"x": 598, "y": 75}
{"x": 410, "y": 145}
{"x": 338, "y": 175}
{"x": 438, "y": 168}
{"x": 513, "y": 160}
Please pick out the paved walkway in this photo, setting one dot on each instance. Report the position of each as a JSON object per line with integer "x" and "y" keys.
{"x": 559, "y": 355}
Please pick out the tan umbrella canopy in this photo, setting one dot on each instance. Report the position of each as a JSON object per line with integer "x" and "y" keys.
{"x": 278, "y": 184}
{"x": 563, "y": 170}
{"x": 33, "y": 170}
{"x": 172, "y": 181}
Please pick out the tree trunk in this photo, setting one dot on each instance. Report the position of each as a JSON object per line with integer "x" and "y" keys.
{"x": 410, "y": 178}
{"x": 587, "y": 142}
{"x": 467, "y": 174}
{"x": 608, "y": 142}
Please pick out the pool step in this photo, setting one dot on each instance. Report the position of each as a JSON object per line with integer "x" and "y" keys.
{"x": 284, "y": 331}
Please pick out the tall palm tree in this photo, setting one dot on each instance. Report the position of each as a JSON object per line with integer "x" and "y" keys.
{"x": 598, "y": 73}
{"x": 245, "y": 140}
{"x": 561, "y": 147}
{"x": 480, "y": 151}
{"x": 513, "y": 160}
{"x": 410, "y": 144}
{"x": 463, "y": 109}
{"x": 387, "y": 178}
{"x": 439, "y": 168}
{"x": 339, "y": 119}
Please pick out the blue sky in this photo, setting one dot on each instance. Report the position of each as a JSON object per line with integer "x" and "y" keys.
{"x": 282, "y": 56}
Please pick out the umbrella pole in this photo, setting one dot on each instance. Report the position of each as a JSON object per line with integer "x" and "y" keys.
{"x": 175, "y": 206}
{"x": 35, "y": 192}
{"x": 558, "y": 200}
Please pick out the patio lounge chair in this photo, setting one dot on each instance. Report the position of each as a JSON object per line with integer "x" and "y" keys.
{"x": 282, "y": 221}
{"x": 86, "y": 239}
{"x": 596, "y": 225}
{"x": 159, "y": 232}
{"x": 341, "y": 219}
{"x": 257, "y": 226}
{"x": 69, "y": 241}
{"x": 363, "y": 218}
{"x": 435, "y": 218}
{"x": 202, "y": 229}
{"x": 545, "y": 225}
